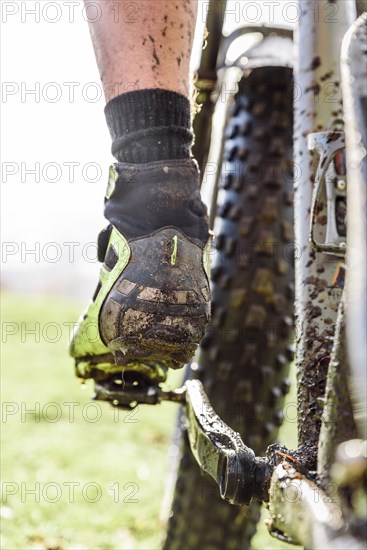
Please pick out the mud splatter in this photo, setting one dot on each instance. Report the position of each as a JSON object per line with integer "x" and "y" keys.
{"x": 315, "y": 88}
{"x": 156, "y": 58}
{"x": 316, "y": 62}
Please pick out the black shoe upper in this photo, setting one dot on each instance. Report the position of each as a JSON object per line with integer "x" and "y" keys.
{"x": 147, "y": 197}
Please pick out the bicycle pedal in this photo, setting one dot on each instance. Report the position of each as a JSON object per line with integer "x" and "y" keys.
{"x": 127, "y": 390}
{"x": 130, "y": 389}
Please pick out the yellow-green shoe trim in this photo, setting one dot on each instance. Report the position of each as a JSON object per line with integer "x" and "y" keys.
{"x": 86, "y": 340}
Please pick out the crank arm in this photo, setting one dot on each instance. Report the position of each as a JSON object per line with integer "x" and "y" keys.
{"x": 221, "y": 452}
{"x": 218, "y": 449}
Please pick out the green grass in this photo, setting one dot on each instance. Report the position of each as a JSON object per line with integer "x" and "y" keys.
{"x": 97, "y": 481}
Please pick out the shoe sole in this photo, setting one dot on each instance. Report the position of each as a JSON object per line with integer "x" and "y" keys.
{"x": 158, "y": 347}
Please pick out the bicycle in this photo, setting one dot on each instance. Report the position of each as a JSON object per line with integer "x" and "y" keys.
{"x": 241, "y": 371}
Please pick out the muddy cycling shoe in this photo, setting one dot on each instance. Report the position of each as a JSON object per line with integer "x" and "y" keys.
{"x": 152, "y": 304}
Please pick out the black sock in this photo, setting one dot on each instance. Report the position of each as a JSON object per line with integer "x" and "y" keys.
{"x": 149, "y": 125}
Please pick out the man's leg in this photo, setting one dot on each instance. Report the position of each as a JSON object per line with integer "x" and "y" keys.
{"x": 144, "y": 44}
{"x": 151, "y": 306}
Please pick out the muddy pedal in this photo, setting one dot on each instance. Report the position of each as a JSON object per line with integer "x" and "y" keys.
{"x": 128, "y": 390}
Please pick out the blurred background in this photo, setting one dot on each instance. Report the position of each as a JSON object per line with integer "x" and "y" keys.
{"x": 75, "y": 474}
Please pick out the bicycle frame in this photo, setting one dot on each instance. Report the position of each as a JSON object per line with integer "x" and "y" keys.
{"x": 354, "y": 73}
{"x": 318, "y": 108}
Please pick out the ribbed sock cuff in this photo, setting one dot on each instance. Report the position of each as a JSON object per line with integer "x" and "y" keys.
{"x": 150, "y": 125}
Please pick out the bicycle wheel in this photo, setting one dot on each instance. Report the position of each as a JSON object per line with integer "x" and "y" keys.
{"x": 246, "y": 352}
